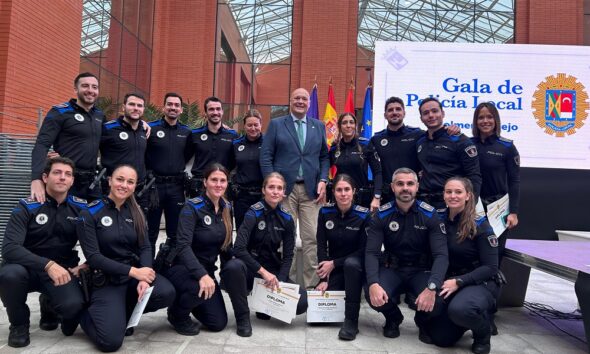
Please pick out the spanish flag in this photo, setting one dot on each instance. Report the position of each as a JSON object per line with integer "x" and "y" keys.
{"x": 330, "y": 117}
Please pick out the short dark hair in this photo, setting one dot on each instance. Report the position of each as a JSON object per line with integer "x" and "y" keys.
{"x": 172, "y": 94}
{"x": 394, "y": 99}
{"x": 133, "y": 94}
{"x": 63, "y": 160}
{"x": 211, "y": 99}
{"x": 83, "y": 75}
{"x": 429, "y": 99}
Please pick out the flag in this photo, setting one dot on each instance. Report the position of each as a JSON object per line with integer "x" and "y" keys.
{"x": 349, "y": 105}
{"x": 330, "y": 117}
{"x": 367, "y": 131}
{"x": 314, "y": 111}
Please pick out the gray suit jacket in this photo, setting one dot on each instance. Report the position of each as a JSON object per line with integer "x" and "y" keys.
{"x": 281, "y": 153}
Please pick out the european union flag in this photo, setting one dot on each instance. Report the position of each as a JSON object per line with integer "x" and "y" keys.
{"x": 313, "y": 111}
{"x": 367, "y": 131}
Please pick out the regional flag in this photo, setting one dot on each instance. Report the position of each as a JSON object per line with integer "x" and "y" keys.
{"x": 349, "y": 105}
{"x": 330, "y": 117}
{"x": 314, "y": 111}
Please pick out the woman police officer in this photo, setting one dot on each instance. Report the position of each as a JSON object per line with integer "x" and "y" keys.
{"x": 116, "y": 246}
{"x": 470, "y": 290}
{"x": 204, "y": 234}
{"x": 264, "y": 248}
{"x": 353, "y": 155}
{"x": 341, "y": 238}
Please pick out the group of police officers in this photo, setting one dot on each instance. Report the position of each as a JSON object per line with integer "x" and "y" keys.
{"x": 405, "y": 240}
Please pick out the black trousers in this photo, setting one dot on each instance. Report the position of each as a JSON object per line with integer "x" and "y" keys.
{"x": 171, "y": 201}
{"x": 81, "y": 189}
{"x": 105, "y": 320}
{"x": 468, "y": 308}
{"x": 17, "y": 281}
{"x": 409, "y": 280}
{"x": 350, "y": 278}
{"x": 211, "y": 313}
{"x": 238, "y": 281}
{"x": 243, "y": 200}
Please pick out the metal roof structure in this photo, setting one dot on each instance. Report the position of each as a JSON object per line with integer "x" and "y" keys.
{"x": 96, "y": 21}
{"x": 472, "y": 21}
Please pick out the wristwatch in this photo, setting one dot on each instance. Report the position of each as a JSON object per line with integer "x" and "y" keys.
{"x": 431, "y": 286}
{"x": 377, "y": 196}
{"x": 459, "y": 282}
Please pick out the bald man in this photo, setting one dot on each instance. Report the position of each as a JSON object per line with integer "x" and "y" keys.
{"x": 295, "y": 146}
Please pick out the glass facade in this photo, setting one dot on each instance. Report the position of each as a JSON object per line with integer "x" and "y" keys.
{"x": 116, "y": 45}
{"x": 253, "y": 61}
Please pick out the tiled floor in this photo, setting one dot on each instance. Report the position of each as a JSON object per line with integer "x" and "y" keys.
{"x": 520, "y": 332}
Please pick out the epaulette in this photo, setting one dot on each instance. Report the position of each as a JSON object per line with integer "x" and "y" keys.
{"x": 363, "y": 141}
{"x": 238, "y": 140}
{"x": 257, "y": 206}
{"x": 283, "y": 211}
{"x": 95, "y": 206}
{"x": 112, "y": 124}
{"x": 454, "y": 138}
{"x": 361, "y": 211}
{"x": 183, "y": 126}
{"x": 479, "y": 219}
{"x": 199, "y": 129}
{"x": 64, "y": 107}
{"x": 155, "y": 123}
{"x": 426, "y": 209}
{"x": 386, "y": 209}
{"x": 196, "y": 200}
{"x": 82, "y": 203}
{"x": 506, "y": 142}
{"x": 328, "y": 209}
{"x": 381, "y": 132}
{"x": 30, "y": 203}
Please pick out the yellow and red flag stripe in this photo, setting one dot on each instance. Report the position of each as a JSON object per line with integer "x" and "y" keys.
{"x": 330, "y": 117}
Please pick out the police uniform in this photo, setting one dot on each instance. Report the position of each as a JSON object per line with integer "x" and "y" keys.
{"x": 499, "y": 163}
{"x": 474, "y": 263}
{"x": 201, "y": 233}
{"x": 341, "y": 239}
{"x": 396, "y": 149}
{"x": 166, "y": 158}
{"x": 416, "y": 256}
{"x": 208, "y": 147}
{"x": 442, "y": 157}
{"x": 265, "y": 239}
{"x": 111, "y": 246}
{"x": 247, "y": 181}
{"x": 74, "y": 133}
{"x": 36, "y": 234}
{"x": 354, "y": 158}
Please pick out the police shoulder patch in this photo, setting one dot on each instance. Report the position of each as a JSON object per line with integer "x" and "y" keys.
{"x": 386, "y": 206}
{"x": 426, "y": 206}
{"x": 196, "y": 200}
{"x": 362, "y": 209}
{"x": 493, "y": 240}
{"x": 479, "y": 219}
{"x": 78, "y": 201}
{"x": 285, "y": 213}
{"x": 257, "y": 206}
{"x": 363, "y": 141}
{"x": 62, "y": 105}
{"x": 93, "y": 203}
{"x": 30, "y": 203}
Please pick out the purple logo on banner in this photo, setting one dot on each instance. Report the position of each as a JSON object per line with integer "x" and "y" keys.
{"x": 395, "y": 58}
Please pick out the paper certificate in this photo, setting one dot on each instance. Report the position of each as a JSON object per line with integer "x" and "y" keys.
{"x": 139, "y": 307}
{"x": 327, "y": 307}
{"x": 280, "y": 304}
{"x": 497, "y": 213}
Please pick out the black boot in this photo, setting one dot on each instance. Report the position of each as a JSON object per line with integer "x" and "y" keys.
{"x": 49, "y": 318}
{"x": 391, "y": 328}
{"x": 493, "y": 326}
{"x": 349, "y": 330}
{"x": 243, "y": 326}
{"x": 185, "y": 327}
{"x": 19, "y": 336}
{"x": 68, "y": 326}
{"x": 262, "y": 316}
{"x": 481, "y": 339}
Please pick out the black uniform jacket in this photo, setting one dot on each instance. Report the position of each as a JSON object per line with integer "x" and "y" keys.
{"x": 266, "y": 239}
{"x": 340, "y": 236}
{"x": 120, "y": 144}
{"x": 348, "y": 159}
{"x": 37, "y": 233}
{"x": 474, "y": 260}
{"x": 110, "y": 242}
{"x": 446, "y": 156}
{"x": 499, "y": 162}
{"x": 411, "y": 238}
{"x": 208, "y": 147}
{"x": 167, "y": 148}
{"x": 73, "y": 133}
{"x": 200, "y": 235}
{"x": 246, "y": 158}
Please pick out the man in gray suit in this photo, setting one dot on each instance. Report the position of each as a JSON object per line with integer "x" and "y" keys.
{"x": 296, "y": 147}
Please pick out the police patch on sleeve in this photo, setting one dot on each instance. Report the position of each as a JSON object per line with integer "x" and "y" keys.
{"x": 471, "y": 151}
{"x": 123, "y": 135}
{"x": 106, "y": 221}
{"x": 261, "y": 225}
{"x": 207, "y": 220}
{"x": 517, "y": 160}
{"x": 41, "y": 219}
{"x": 493, "y": 240}
{"x": 79, "y": 117}
{"x": 393, "y": 226}
{"x": 443, "y": 229}
{"x": 329, "y": 224}
{"x": 160, "y": 134}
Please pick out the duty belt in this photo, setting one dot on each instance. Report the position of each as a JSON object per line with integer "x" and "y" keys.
{"x": 170, "y": 179}
{"x": 250, "y": 189}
